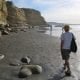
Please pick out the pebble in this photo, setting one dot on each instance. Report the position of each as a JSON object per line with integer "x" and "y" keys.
{"x": 1, "y": 56}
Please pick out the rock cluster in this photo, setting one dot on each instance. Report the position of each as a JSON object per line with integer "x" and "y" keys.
{"x": 26, "y": 69}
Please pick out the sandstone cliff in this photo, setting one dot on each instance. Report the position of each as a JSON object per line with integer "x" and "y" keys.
{"x": 21, "y": 16}
{"x": 3, "y": 12}
{"x": 34, "y": 17}
{"x": 16, "y": 16}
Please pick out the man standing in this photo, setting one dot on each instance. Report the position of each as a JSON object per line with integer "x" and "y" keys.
{"x": 66, "y": 38}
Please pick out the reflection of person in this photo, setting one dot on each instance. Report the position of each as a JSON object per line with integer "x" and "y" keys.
{"x": 66, "y": 38}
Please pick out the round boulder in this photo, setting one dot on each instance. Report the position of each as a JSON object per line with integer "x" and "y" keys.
{"x": 24, "y": 72}
{"x": 36, "y": 69}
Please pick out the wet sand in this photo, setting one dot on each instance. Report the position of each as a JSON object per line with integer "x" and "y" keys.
{"x": 41, "y": 48}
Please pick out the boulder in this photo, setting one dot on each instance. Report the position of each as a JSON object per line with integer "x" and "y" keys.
{"x": 5, "y": 32}
{"x": 36, "y": 69}
{"x": 24, "y": 72}
{"x": 9, "y": 29}
{"x": 26, "y": 60}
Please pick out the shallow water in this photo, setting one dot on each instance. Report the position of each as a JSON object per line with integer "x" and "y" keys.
{"x": 57, "y": 31}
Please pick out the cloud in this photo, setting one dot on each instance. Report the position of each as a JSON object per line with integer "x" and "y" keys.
{"x": 63, "y": 15}
{"x": 67, "y": 12}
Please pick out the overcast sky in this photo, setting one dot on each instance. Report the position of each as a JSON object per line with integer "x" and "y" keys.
{"x": 65, "y": 11}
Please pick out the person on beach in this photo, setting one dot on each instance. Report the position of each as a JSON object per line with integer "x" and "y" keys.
{"x": 66, "y": 38}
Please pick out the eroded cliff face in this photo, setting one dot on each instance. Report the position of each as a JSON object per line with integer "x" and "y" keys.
{"x": 10, "y": 14}
{"x": 23, "y": 16}
{"x": 34, "y": 17}
{"x": 3, "y": 12}
{"x": 16, "y": 16}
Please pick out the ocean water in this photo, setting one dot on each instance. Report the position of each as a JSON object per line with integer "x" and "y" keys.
{"x": 75, "y": 29}
{"x": 57, "y": 31}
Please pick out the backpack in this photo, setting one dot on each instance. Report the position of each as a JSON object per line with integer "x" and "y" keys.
{"x": 73, "y": 46}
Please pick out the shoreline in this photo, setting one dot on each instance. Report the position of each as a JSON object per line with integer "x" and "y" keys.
{"x": 41, "y": 48}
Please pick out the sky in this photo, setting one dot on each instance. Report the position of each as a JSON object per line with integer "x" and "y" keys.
{"x": 62, "y": 11}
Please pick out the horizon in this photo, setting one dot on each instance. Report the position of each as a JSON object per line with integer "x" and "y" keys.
{"x": 66, "y": 11}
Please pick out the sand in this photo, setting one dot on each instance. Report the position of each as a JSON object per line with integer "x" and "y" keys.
{"x": 41, "y": 48}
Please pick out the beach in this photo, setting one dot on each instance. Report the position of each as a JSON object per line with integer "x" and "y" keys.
{"x": 41, "y": 48}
